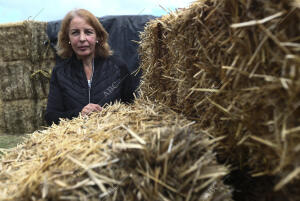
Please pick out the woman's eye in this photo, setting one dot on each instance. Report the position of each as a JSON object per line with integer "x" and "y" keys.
{"x": 89, "y": 32}
{"x": 74, "y": 32}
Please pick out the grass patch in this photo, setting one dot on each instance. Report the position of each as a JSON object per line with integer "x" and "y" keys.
{"x": 9, "y": 141}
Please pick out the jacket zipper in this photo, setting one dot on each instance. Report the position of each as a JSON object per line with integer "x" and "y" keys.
{"x": 89, "y": 94}
{"x": 90, "y": 85}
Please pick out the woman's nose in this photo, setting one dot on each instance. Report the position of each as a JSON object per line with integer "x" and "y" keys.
{"x": 82, "y": 37}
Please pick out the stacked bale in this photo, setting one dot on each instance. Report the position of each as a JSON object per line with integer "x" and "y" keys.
{"x": 233, "y": 66}
{"x": 25, "y": 60}
{"x": 137, "y": 152}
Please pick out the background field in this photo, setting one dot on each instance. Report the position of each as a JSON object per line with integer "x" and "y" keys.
{"x": 9, "y": 141}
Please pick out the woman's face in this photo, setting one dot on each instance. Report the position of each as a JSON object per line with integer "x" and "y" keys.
{"x": 82, "y": 37}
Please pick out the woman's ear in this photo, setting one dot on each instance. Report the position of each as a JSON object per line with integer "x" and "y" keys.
{"x": 100, "y": 40}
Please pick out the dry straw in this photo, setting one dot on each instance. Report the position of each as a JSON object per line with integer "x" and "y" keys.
{"x": 233, "y": 67}
{"x": 297, "y": 3}
{"x": 25, "y": 41}
{"x": 25, "y": 60}
{"x": 137, "y": 152}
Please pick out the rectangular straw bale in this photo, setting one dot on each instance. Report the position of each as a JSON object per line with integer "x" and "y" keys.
{"x": 22, "y": 116}
{"x": 25, "y": 68}
{"x": 2, "y": 125}
{"x": 40, "y": 77}
{"x": 26, "y": 76}
{"x": 40, "y": 44}
{"x": 14, "y": 42}
{"x": 143, "y": 151}
{"x": 235, "y": 66}
{"x": 20, "y": 81}
{"x": 24, "y": 40}
{"x": 15, "y": 80}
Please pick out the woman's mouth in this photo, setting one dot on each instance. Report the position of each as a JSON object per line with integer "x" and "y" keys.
{"x": 82, "y": 48}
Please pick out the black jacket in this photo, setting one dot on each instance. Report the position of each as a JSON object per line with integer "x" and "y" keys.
{"x": 69, "y": 91}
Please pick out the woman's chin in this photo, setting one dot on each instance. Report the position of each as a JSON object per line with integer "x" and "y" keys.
{"x": 83, "y": 55}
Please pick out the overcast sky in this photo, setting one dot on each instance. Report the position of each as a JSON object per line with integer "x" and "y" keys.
{"x": 50, "y": 10}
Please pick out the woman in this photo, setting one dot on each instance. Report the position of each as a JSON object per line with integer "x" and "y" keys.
{"x": 90, "y": 75}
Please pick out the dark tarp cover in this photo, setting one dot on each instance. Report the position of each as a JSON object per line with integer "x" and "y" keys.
{"x": 123, "y": 33}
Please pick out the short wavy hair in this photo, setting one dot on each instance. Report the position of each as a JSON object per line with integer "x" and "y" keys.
{"x": 64, "y": 49}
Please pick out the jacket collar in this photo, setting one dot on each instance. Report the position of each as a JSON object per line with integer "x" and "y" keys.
{"x": 78, "y": 72}
{"x": 77, "y": 63}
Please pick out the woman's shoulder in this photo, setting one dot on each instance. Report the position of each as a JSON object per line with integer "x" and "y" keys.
{"x": 61, "y": 65}
{"x": 113, "y": 62}
{"x": 117, "y": 60}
